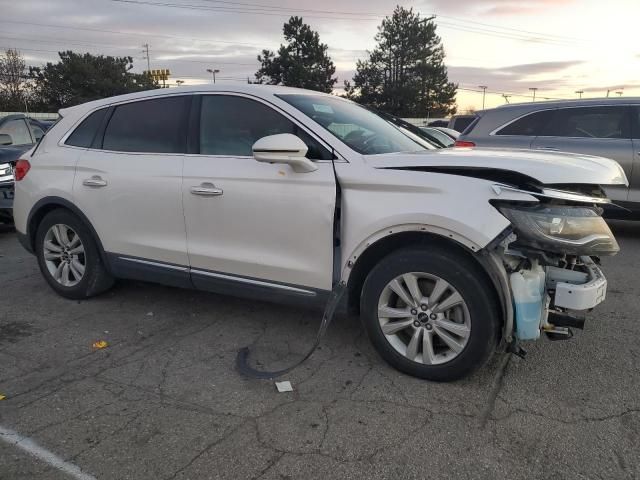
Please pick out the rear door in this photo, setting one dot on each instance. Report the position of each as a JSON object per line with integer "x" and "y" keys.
{"x": 128, "y": 183}
{"x": 604, "y": 131}
{"x": 255, "y": 225}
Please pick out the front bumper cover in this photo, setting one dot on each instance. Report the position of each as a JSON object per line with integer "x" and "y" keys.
{"x": 582, "y": 291}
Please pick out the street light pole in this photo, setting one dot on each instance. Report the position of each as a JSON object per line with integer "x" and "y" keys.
{"x": 484, "y": 92}
{"x": 579, "y": 92}
{"x": 213, "y": 73}
{"x": 533, "y": 89}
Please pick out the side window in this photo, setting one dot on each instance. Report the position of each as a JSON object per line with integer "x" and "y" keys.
{"x": 590, "y": 122}
{"x": 636, "y": 122}
{"x": 231, "y": 125}
{"x": 529, "y": 125}
{"x": 152, "y": 126}
{"x": 18, "y": 131}
{"x": 83, "y": 135}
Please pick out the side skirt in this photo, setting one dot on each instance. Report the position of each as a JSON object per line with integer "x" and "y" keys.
{"x": 134, "y": 268}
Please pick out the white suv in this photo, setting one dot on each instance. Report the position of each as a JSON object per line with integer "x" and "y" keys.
{"x": 283, "y": 194}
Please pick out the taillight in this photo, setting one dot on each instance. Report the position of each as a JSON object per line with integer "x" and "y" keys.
{"x": 464, "y": 143}
{"x": 21, "y": 169}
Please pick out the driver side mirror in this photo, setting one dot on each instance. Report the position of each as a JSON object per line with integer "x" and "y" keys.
{"x": 5, "y": 139}
{"x": 284, "y": 148}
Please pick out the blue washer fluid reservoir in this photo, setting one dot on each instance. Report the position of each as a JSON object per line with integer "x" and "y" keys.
{"x": 528, "y": 298}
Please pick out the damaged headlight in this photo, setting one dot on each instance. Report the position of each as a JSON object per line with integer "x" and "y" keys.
{"x": 562, "y": 229}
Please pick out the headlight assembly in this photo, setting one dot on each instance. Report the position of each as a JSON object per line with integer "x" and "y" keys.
{"x": 562, "y": 229}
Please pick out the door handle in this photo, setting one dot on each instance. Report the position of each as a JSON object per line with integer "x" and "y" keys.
{"x": 552, "y": 149}
{"x": 206, "y": 190}
{"x": 95, "y": 181}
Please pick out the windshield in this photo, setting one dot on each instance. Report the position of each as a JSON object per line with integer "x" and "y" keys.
{"x": 361, "y": 129}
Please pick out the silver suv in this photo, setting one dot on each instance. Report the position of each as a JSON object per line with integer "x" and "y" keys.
{"x": 606, "y": 127}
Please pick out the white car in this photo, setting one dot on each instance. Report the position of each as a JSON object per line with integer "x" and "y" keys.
{"x": 283, "y": 194}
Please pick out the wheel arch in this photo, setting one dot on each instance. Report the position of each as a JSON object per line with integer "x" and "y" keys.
{"x": 48, "y": 204}
{"x": 359, "y": 265}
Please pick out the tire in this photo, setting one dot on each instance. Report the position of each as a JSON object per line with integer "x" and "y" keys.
{"x": 434, "y": 355}
{"x": 81, "y": 251}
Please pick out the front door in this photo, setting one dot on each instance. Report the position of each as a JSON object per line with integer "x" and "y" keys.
{"x": 253, "y": 225}
{"x": 129, "y": 185}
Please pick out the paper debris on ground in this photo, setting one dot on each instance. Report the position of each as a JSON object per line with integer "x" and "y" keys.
{"x": 284, "y": 387}
{"x": 2, "y": 397}
{"x": 100, "y": 344}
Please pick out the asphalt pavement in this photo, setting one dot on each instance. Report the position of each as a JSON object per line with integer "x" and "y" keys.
{"x": 163, "y": 399}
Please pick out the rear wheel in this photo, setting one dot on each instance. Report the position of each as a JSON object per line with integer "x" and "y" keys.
{"x": 68, "y": 256}
{"x": 430, "y": 313}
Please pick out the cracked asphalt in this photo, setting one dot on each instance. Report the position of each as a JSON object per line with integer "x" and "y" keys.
{"x": 164, "y": 401}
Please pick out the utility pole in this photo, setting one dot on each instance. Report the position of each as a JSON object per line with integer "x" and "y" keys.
{"x": 579, "y": 92}
{"x": 533, "y": 89}
{"x": 619, "y": 93}
{"x": 146, "y": 56}
{"x": 506, "y": 97}
{"x": 484, "y": 92}
{"x": 213, "y": 73}
{"x": 179, "y": 82}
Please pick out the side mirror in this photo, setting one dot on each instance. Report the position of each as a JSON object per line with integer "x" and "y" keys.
{"x": 5, "y": 139}
{"x": 284, "y": 148}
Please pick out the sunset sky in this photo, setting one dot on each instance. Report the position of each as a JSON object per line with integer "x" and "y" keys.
{"x": 558, "y": 46}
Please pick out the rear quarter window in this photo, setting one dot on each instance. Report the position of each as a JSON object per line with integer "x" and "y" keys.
{"x": 84, "y": 133}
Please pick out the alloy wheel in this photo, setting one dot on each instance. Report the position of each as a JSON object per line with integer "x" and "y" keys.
{"x": 424, "y": 318}
{"x": 64, "y": 255}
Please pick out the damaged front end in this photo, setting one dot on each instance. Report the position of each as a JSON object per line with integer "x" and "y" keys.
{"x": 550, "y": 256}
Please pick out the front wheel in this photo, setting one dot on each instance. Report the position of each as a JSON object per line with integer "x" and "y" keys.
{"x": 430, "y": 313}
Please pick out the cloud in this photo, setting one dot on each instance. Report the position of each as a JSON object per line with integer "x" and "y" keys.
{"x": 496, "y": 7}
{"x": 540, "y": 67}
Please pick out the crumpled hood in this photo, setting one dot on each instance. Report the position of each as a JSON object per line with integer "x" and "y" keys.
{"x": 546, "y": 167}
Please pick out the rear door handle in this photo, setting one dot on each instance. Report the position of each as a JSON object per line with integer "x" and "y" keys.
{"x": 206, "y": 190}
{"x": 95, "y": 181}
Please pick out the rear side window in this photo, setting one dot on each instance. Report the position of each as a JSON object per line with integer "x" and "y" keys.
{"x": 460, "y": 124}
{"x": 529, "y": 125}
{"x": 231, "y": 125}
{"x": 151, "y": 126}
{"x": 590, "y": 122}
{"x": 83, "y": 135}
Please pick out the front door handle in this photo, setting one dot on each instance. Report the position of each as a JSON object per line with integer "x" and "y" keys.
{"x": 206, "y": 190}
{"x": 552, "y": 149}
{"x": 95, "y": 181}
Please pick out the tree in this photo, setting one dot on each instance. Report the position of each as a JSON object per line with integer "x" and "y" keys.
{"x": 79, "y": 78}
{"x": 303, "y": 62}
{"x": 13, "y": 71}
{"x": 405, "y": 74}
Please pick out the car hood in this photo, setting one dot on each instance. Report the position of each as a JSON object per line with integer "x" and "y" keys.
{"x": 546, "y": 168}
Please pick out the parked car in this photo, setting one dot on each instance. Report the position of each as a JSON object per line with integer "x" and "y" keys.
{"x": 460, "y": 122}
{"x": 285, "y": 194}
{"x": 440, "y": 138}
{"x": 17, "y": 135}
{"x": 607, "y": 127}
{"x": 449, "y": 131}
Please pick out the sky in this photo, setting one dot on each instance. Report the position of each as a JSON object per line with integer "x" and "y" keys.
{"x": 510, "y": 46}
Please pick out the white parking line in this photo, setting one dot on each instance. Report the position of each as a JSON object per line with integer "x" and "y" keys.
{"x": 24, "y": 443}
